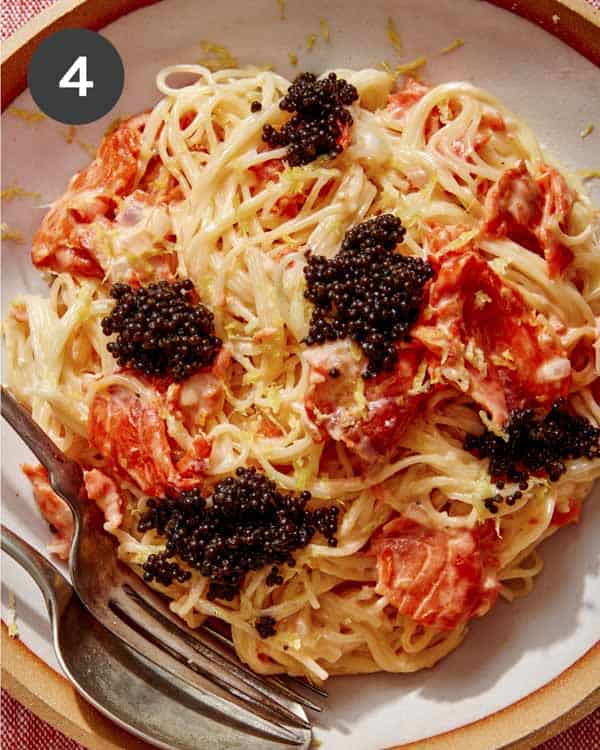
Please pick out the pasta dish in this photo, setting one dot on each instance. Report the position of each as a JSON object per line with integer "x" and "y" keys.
{"x": 328, "y": 354}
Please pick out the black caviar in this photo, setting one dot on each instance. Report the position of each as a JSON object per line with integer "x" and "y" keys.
{"x": 493, "y": 503}
{"x": 367, "y": 291}
{"x": 316, "y": 127}
{"x": 256, "y": 106}
{"x": 537, "y": 445}
{"x": 160, "y": 331}
{"x": 244, "y": 525}
{"x": 158, "y": 568}
{"x": 265, "y": 626}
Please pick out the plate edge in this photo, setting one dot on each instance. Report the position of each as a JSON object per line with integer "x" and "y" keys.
{"x": 578, "y": 28}
{"x": 51, "y": 697}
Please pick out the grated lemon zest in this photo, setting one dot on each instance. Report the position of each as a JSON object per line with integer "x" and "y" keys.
{"x": 324, "y": 29}
{"x": 588, "y": 130}
{"x": 11, "y": 234}
{"x": 87, "y": 147}
{"x": 70, "y": 136}
{"x": 393, "y": 35}
{"x": 489, "y": 425}
{"x": 9, "y": 194}
{"x": 462, "y": 239}
{"x": 411, "y": 67}
{"x": 219, "y": 57}
{"x": 28, "y": 115}
{"x": 302, "y": 473}
{"x": 69, "y": 133}
{"x": 293, "y": 58}
{"x": 456, "y": 44}
{"x": 281, "y": 4}
{"x": 311, "y": 41}
{"x": 420, "y": 384}
{"x": 589, "y": 174}
{"x": 361, "y": 399}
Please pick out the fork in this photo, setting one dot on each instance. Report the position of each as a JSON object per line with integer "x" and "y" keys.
{"x": 203, "y": 661}
{"x": 115, "y": 680}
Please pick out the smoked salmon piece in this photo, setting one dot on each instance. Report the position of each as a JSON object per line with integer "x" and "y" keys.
{"x": 402, "y": 100}
{"x": 528, "y": 211}
{"x": 68, "y": 234}
{"x": 367, "y": 416}
{"x": 54, "y": 509}
{"x": 483, "y": 338}
{"x": 128, "y": 430}
{"x": 103, "y": 491}
{"x": 437, "y": 578}
{"x": 269, "y": 171}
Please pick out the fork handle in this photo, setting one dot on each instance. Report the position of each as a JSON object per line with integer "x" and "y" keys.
{"x": 66, "y": 476}
{"x": 55, "y": 588}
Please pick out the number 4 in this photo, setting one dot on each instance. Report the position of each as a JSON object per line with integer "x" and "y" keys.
{"x": 82, "y": 84}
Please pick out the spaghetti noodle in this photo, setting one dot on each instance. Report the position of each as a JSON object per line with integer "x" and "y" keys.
{"x": 508, "y": 322}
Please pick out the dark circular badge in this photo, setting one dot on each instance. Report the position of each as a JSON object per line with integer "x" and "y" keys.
{"x": 76, "y": 76}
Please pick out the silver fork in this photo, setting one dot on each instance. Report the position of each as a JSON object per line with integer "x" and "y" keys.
{"x": 118, "y": 682}
{"x": 202, "y": 662}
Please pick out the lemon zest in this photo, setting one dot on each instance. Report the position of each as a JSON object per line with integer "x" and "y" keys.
{"x": 393, "y": 35}
{"x": 219, "y": 57}
{"x": 11, "y": 234}
{"x": 462, "y": 239}
{"x": 28, "y": 115}
{"x": 491, "y": 427}
{"x": 9, "y": 194}
{"x": 69, "y": 133}
{"x": 589, "y": 174}
{"x": 411, "y": 67}
{"x": 89, "y": 149}
{"x": 456, "y": 44}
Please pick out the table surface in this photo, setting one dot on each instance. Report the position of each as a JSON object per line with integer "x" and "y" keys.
{"x": 20, "y": 729}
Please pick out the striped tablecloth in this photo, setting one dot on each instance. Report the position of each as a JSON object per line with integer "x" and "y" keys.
{"x": 22, "y": 730}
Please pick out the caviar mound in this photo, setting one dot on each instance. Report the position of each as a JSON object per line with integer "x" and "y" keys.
{"x": 317, "y": 126}
{"x": 160, "y": 331}
{"x": 245, "y": 525}
{"x": 536, "y": 445}
{"x": 367, "y": 292}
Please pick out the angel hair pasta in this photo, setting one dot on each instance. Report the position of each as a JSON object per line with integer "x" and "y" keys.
{"x": 328, "y": 355}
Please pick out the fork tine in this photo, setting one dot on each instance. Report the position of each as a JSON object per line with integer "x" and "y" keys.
{"x": 282, "y": 684}
{"x": 233, "y": 708}
{"x": 229, "y": 660}
{"x": 269, "y": 698}
{"x": 279, "y": 681}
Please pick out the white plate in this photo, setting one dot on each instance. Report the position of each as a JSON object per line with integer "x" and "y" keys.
{"x": 520, "y": 647}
